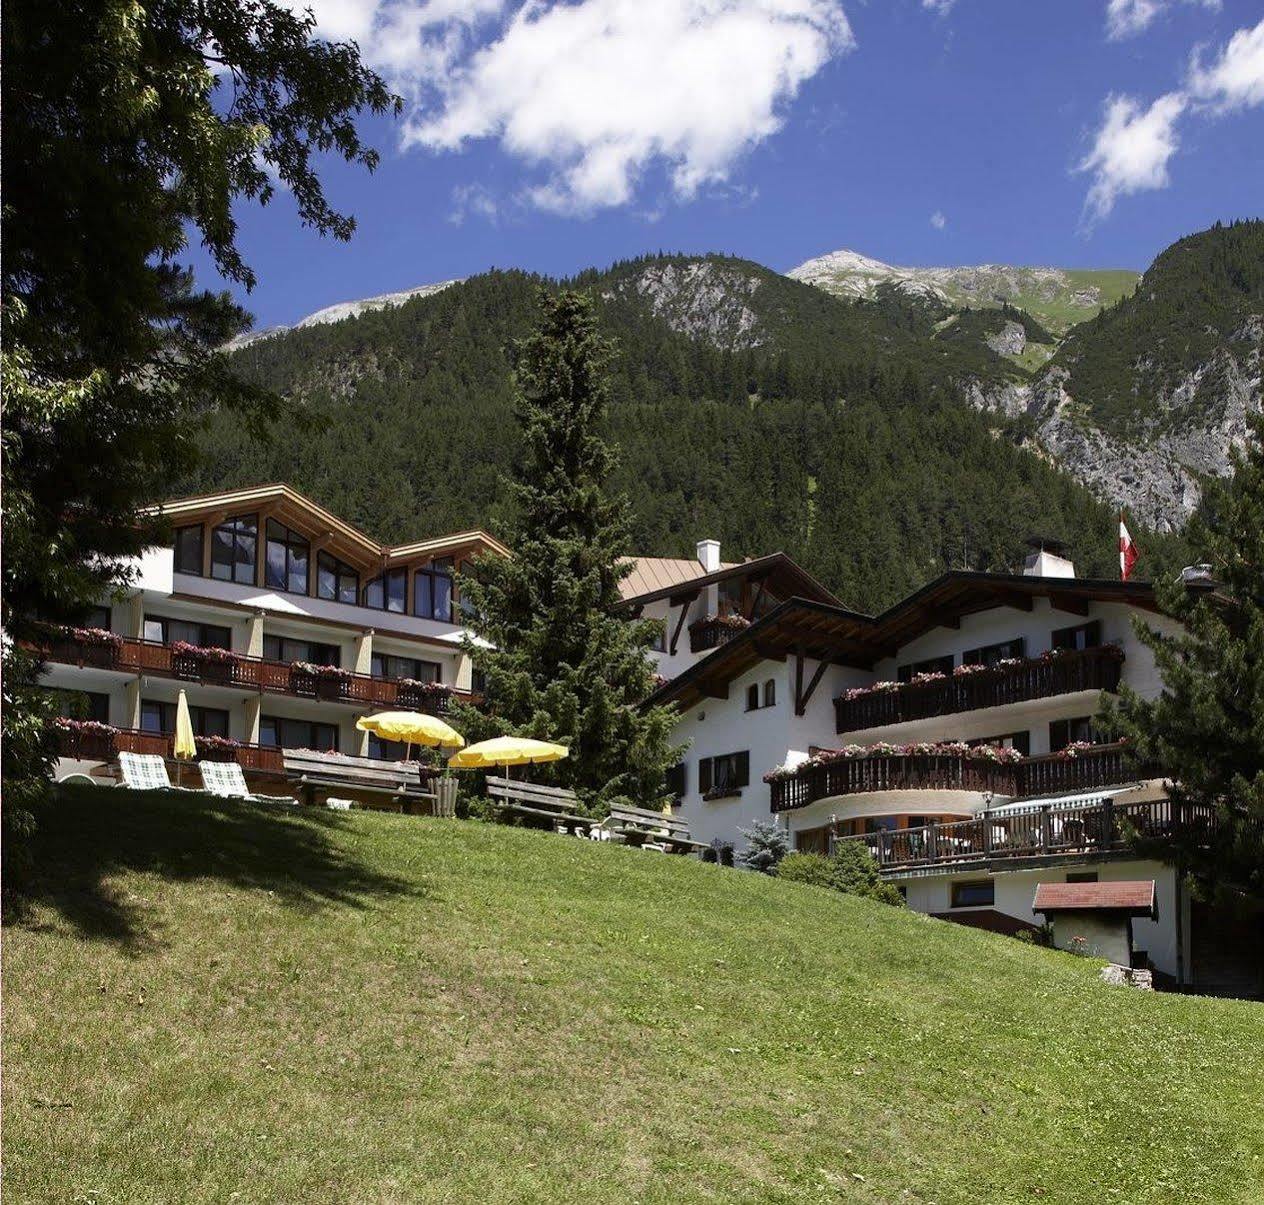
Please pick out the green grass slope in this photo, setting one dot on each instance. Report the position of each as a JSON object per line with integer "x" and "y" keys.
{"x": 206, "y": 1002}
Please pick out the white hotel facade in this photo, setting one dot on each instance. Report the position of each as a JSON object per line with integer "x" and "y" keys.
{"x": 283, "y": 624}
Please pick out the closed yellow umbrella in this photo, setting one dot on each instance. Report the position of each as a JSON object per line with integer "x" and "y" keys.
{"x": 411, "y": 727}
{"x": 184, "y": 745}
{"x": 507, "y": 751}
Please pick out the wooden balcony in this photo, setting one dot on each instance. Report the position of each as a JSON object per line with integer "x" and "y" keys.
{"x": 1033, "y": 831}
{"x": 706, "y": 634}
{"x": 106, "y": 745}
{"x": 891, "y": 772}
{"x": 1046, "y": 774}
{"x": 250, "y": 674}
{"x": 1032, "y": 678}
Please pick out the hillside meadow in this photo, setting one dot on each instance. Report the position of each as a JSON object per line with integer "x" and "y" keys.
{"x": 218, "y": 1002}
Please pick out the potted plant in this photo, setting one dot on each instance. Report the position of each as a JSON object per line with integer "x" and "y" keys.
{"x": 197, "y": 664}
{"x": 86, "y": 738}
{"x": 217, "y": 748}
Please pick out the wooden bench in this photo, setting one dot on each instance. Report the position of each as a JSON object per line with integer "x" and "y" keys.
{"x": 637, "y": 826}
{"x": 400, "y": 783}
{"x": 555, "y": 804}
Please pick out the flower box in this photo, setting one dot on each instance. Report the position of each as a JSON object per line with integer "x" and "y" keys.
{"x": 194, "y": 663}
{"x": 415, "y": 695}
{"x": 217, "y": 748}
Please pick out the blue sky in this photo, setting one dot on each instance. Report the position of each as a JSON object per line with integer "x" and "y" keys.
{"x": 1086, "y": 133}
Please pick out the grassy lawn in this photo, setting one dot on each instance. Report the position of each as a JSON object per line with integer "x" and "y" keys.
{"x": 212, "y": 1002}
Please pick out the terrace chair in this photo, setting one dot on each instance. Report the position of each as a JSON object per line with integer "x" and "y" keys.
{"x": 146, "y": 772}
{"x": 226, "y": 780}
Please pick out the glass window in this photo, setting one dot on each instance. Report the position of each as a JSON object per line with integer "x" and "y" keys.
{"x": 157, "y": 716}
{"x": 287, "y": 555}
{"x": 1073, "y": 731}
{"x": 675, "y": 780}
{"x": 283, "y": 648}
{"x": 770, "y": 693}
{"x": 98, "y": 617}
{"x": 990, "y": 654}
{"x": 659, "y": 642}
{"x": 980, "y": 894}
{"x": 386, "y": 750}
{"x": 432, "y": 591}
{"x": 932, "y": 665}
{"x": 387, "y": 592}
{"x": 752, "y": 697}
{"x": 1010, "y": 740}
{"x": 386, "y": 665}
{"x": 729, "y": 595}
{"x": 162, "y": 630}
{"x": 188, "y": 549}
{"x": 82, "y": 704}
{"x": 727, "y": 772}
{"x": 297, "y": 734}
{"x": 233, "y": 546}
{"x": 1082, "y": 636}
{"x": 336, "y": 580}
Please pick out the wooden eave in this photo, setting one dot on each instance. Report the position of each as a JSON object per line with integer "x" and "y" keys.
{"x": 781, "y": 573}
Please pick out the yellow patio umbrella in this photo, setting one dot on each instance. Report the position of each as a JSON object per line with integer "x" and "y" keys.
{"x": 184, "y": 745}
{"x": 507, "y": 751}
{"x": 411, "y": 727}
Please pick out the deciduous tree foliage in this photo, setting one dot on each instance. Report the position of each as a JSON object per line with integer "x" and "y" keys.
{"x": 1206, "y": 729}
{"x": 566, "y": 663}
{"x": 128, "y": 126}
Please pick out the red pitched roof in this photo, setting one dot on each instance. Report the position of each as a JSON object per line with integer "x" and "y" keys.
{"x": 1135, "y": 897}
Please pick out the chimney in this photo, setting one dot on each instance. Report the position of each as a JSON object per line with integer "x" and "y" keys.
{"x": 1047, "y": 559}
{"x": 709, "y": 554}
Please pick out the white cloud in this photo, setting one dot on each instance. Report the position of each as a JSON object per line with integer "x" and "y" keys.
{"x": 594, "y": 93}
{"x": 1235, "y": 77}
{"x": 938, "y": 220}
{"x": 941, "y": 8}
{"x": 1131, "y": 151}
{"x": 473, "y": 199}
{"x": 1125, "y": 18}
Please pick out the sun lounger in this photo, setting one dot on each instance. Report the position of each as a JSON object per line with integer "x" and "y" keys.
{"x": 145, "y": 772}
{"x": 226, "y": 780}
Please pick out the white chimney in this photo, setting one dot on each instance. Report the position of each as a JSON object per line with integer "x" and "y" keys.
{"x": 1046, "y": 560}
{"x": 709, "y": 554}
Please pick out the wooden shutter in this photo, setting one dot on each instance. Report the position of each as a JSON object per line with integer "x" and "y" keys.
{"x": 704, "y": 774}
{"x": 741, "y": 766}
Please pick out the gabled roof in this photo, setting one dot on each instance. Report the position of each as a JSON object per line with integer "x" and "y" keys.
{"x": 287, "y": 505}
{"x": 1136, "y": 898}
{"x": 653, "y": 578}
{"x": 826, "y": 632}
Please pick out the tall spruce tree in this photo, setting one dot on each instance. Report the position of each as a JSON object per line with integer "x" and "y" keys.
{"x": 566, "y": 662}
{"x": 1206, "y": 729}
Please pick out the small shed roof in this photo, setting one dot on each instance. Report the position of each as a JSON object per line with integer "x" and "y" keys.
{"x": 1136, "y": 897}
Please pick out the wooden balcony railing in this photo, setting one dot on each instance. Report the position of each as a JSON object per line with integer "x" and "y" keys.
{"x": 891, "y": 772}
{"x": 106, "y": 744}
{"x": 1032, "y": 678}
{"x": 250, "y": 673}
{"x": 710, "y": 633}
{"x": 1046, "y": 774}
{"x": 1034, "y": 831}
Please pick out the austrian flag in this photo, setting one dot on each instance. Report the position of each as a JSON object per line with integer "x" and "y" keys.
{"x": 1127, "y": 551}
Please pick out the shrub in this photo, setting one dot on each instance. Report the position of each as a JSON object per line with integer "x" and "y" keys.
{"x": 850, "y": 870}
{"x": 766, "y": 845}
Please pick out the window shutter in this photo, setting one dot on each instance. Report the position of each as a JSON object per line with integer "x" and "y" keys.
{"x": 742, "y": 761}
{"x": 704, "y": 775}
{"x": 1058, "y": 738}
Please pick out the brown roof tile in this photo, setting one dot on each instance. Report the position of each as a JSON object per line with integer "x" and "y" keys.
{"x": 1135, "y": 896}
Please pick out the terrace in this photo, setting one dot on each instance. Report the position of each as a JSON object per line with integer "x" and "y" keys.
{"x": 100, "y": 742}
{"x": 217, "y": 667}
{"x": 971, "y": 688}
{"x": 1082, "y": 768}
{"x": 1012, "y": 834}
{"x": 715, "y": 630}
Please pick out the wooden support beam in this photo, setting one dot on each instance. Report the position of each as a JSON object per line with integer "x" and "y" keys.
{"x": 767, "y": 654}
{"x": 798, "y": 678}
{"x": 804, "y": 697}
{"x": 759, "y": 597}
{"x": 949, "y": 621}
{"x": 1020, "y": 602}
{"x": 1072, "y": 606}
{"x": 714, "y": 690}
{"x": 680, "y": 623}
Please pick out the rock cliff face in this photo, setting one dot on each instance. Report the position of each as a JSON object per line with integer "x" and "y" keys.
{"x": 705, "y": 299}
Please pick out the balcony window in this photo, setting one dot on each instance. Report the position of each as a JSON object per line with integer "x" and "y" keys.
{"x": 386, "y": 665}
{"x": 157, "y": 716}
{"x": 297, "y": 734}
{"x": 729, "y": 597}
{"x": 1010, "y": 740}
{"x": 387, "y": 592}
{"x": 188, "y": 549}
{"x": 162, "y": 630}
{"x": 81, "y": 704}
{"x": 233, "y": 547}
{"x": 979, "y": 894}
{"x": 432, "y": 591}
{"x": 1073, "y": 731}
{"x": 386, "y": 750}
{"x": 98, "y": 617}
{"x": 336, "y": 580}
{"x": 990, "y": 654}
{"x": 932, "y": 665}
{"x": 282, "y": 648}
{"x": 725, "y": 774}
{"x": 1082, "y": 636}
{"x": 287, "y": 559}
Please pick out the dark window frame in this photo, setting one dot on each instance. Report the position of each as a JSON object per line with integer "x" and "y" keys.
{"x": 296, "y": 548}
{"x": 165, "y": 622}
{"x": 317, "y": 651}
{"x": 388, "y": 667}
{"x": 929, "y": 665}
{"x": 275, "y": 723}
{"x": 384, "y": 582}
{"x": 1072, "y": 730}
{"x": 1078, "y": 636}
{"x": 177, "y": 550}
{"x": 426, "y": 590}
{"x": 198, "y": 715}
{"x": 726, "y": 772}
{"x": 97, "y": 703}
{"x": 342, "y": 573}
{"x": 985, "y": 889}
{"x": 1001, "y": 650}
{"x": 243, "y": 532}
{"x": 676, "y": 780}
